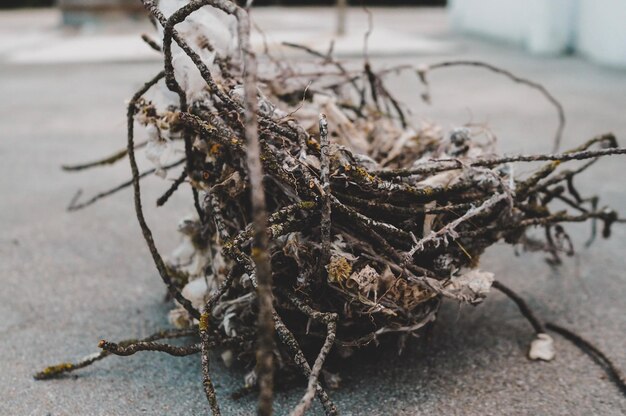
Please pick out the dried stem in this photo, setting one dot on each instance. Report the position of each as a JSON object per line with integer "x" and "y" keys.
{"x": 135, "y": 347}
{"x": 441, "y": 165}
{"x": 598, "y": 356}
{"x": 585, "y": 346}
{"x": 147, "y": 234}
{"x": 74, "y": 206}
{"x": 109, "y": 160}
{"x": 557, "y": 105}
{"x": 59, "y": 369}
{"x": 325, "y": 226}
{"x": 177, "y": 182}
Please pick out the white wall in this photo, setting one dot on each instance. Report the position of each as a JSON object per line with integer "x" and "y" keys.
{"x": 541, "y": 26}
{"x": 502, "y": 19}
{"x": 602, "y": 31}
{"x": 595, "y": 28}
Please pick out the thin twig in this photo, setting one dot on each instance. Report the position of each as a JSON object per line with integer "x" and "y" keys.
{"x": 598, "y": 356}
{"x": 147, "y": 234}
{"x": 74, "y": 206}
{"x": 57, "y": 370}
{"x": 325, "y": 225}
{"x": 559, "y": 108}
{"x": 177, "y": 182}
{"x": 109, "y": 160}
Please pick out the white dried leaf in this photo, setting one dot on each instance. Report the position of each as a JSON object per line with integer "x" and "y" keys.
{"x": 542, "y": 348}
{"x": 195, "y": 291}
{"x": 219, "y": 266}
{"x": 405, "y": 294}
{"x": 228, "y": 324}
{"x": 227, "y": 357}
{"x": 158, "y": 150}
{"x": 365, "y": 161}
{"x": 332, "y": 380}
{"x": 399, "y": 145}
{"x": 441, "y": 179}
{"x": 429, "y": 218}
{"x": 180, "y": 318}
{"x": 207, "y": 25}
{"x": 183, "y": 253}
{"x": 347, "y": 133}
{"x": 312, "y": 161}
{"x": 365, "y": 281}
{"x": 338, "y": 247}
{"x": 292, "y": 246}
{"x": 200, "y": 145}
{"x": 250, "y": 379}
{"x": 198, "y": 264}
{"x": 471, "y": 286}
{"x": 188, "y": 256}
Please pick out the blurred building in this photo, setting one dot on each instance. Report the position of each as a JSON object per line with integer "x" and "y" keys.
{"x": 14, "y": 4}
{"x": 594, "y": 28}
{"x": 78, "y": 12}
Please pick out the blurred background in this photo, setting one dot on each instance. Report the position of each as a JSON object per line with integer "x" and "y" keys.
{"x": 592, "y": 28}
{"x": 48, "y": 3}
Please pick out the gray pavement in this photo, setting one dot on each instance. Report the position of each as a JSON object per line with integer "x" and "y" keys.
{"x": 70, "y": 279}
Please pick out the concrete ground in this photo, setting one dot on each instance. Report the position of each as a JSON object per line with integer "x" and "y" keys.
{"x": 70, "y": 279}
